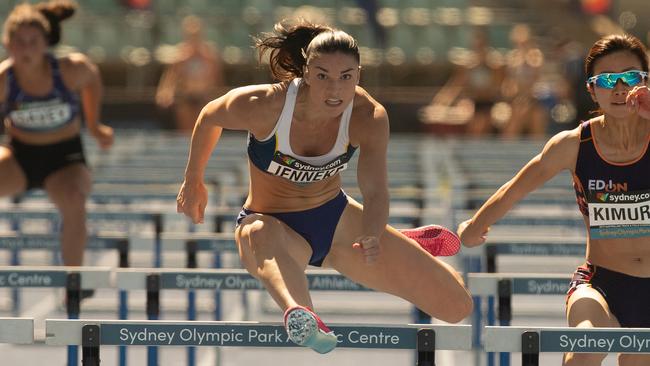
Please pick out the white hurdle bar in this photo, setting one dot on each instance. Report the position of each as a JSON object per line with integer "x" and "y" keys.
{"x": 488, "y": 284}
{"x": 223, "y": 279}
{"x": 17, "y": 330}
{"x": 91, "y": 334}
{"x": 54, "y": 276}
{"x": 531, "y": 341}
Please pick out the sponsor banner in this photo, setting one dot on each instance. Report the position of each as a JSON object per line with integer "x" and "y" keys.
{"x": 619, "y": 214}
{"x": 540, "y": 249}
{"x": 32, "y": 279}
{"x": 540, "y": 286}
{"x": 595, "y": 341}
{"x": 244, "y": 281}
{"x": 52, "y": 243}
{"x": 248, "y": 336}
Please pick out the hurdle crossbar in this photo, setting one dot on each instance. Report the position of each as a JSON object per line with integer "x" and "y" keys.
{"x": 531, "y": 341}
{"x": 17, "y": 330}
{"x": 54, "y": 276}
{"x": 60, "y": 332}
{"x": 486, "y": 284}
{"x": 223, "y": 279}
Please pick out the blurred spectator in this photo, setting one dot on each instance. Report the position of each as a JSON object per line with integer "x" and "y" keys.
{"x": 523, "y": 69}
{"x": 137, "y": 4}
{"x": 471, "y": 92}
{"x": 571, "y": 98}
{"x": 371, "y": 8}
{"x": 193, "y": 79}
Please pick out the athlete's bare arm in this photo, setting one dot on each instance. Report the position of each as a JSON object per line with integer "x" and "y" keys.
{"x": 82, "y": 75}
{"x": 4, "y": 67}
{"x": 252, "y": 108}
{"x": 369, "y": 130}
{"x": 559, "y": 153}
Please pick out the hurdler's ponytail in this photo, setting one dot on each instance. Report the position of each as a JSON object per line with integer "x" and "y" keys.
{"x": 287, "y": 45}
{"x": 46, "y": 16}
{"x": 55, "y": 12}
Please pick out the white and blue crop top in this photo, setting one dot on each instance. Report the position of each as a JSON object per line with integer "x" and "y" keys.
{"x": 40, "y": 114}
{"x": 273, "y": 154}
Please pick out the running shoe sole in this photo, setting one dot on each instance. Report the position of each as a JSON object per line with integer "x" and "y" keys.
{"x": 303, "y": 329}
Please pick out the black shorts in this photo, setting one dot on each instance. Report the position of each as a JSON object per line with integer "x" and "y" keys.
{"x": 39, "y": 161}
{"x": 628, "y": 297}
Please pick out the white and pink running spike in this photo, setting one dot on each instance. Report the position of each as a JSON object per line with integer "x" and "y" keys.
{"x": 306, "y": 329}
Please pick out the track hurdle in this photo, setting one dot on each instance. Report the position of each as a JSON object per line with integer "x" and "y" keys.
{"x": 92, "y": 334}
{"x": 533, "y": 246}
{"x": 533, "y": 341}
{"x": 17, "y": 330}
{"x": 153, "y": 280}
{"x": 73, "y": 279}
{"x": 504, "y": 285}
{"x": 116, "y": 212}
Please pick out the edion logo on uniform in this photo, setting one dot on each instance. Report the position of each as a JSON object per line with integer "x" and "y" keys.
{"x": 608, "y": 186}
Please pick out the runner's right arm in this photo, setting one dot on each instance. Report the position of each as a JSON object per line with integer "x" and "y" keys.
{"x": 559, "y": 153}
{"x": 236, "y": 110}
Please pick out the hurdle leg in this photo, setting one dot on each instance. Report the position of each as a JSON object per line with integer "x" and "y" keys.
{"x": 530, "y": 349}
{"x": 190, "y": 248}
{"x": 123, "y": 250}
{"x": 73, "y": 302}
{"x": 15, "y": 295}
{"x": 505, "y": 313}
{"x": 471, "y": 264}
{"x": 90, "y": 345}
{"x": 157, "y": 245}
{"x": 491, "y": 320}
{"x": 217, "y": 302}
{"x": 15, "y": 261}
{"x": 426, "y": 347}
{"x": 153, "y": 312}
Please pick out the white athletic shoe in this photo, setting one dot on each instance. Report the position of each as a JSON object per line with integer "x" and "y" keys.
{"x": 306, "y": 329}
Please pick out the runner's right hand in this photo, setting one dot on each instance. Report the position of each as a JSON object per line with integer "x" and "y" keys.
{"x": 468, "y": 235}
{"x": 191, "y": 200}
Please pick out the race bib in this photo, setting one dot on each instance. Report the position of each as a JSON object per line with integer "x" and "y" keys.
{"x": 41, "y": 115}
{"x": 619, "y": 214}
{"x": 298, "y": 171}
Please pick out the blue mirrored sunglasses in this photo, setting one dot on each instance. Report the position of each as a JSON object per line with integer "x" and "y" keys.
{"x": 608, "y": 80}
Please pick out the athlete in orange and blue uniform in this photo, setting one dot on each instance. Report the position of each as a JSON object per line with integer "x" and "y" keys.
{"x": 609, "y": 159}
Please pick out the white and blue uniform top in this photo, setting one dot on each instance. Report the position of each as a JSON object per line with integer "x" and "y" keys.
{"x": 40, "y": 113}
{"x": 273, "y": 154}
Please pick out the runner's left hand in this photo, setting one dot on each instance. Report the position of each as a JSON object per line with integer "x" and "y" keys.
{"x": 104, "y": 135}
{"x": 369, "y": 245}
{"x": 638, "y": 100}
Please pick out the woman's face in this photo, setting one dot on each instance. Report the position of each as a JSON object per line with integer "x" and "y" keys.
{"x": 27, "y": 45}
{"x": 332, "y": 78}
{"x": 612, "y": 101}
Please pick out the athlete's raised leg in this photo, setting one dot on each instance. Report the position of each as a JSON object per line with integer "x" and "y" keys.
{"x": 403, "y": 269}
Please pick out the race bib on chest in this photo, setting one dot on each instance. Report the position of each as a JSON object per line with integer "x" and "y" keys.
{"x": 619, "y": 214}
{"x": 41, "y": 115}
{"x": 298, "y": 171}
